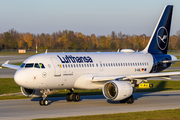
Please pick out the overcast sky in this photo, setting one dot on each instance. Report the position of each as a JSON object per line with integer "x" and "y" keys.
{"x": 100, "y": 17}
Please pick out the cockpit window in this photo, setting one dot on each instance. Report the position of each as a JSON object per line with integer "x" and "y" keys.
{"x": 36, "y": 65}
{"x": 42, "y": 66}
{"x": 22, "y": 65}
{"x": 29, "y": 65}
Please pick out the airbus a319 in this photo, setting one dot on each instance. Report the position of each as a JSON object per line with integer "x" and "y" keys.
{"x": 116, "y": 73}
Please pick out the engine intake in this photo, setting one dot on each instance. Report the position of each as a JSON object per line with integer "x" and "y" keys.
{"x": 117, "y": 90}
{"x": 31, "y": 92}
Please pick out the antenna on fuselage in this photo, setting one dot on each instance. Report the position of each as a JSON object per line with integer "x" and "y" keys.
{"x": 118, "y": 50}
{"x": 46, "y": 51}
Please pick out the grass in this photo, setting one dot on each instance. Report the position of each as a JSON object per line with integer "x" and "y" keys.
{"x": 177, "y": 64}
{"x": 7, "y": 85}
{"x": 160, "y": 85}
{"x": 17, "y": 63}
{"x": 12, "y": 97}
{"x": 144, "y": 115}
{"x": 173, "y": 53}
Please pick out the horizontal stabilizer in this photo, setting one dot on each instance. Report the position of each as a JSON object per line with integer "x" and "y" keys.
{"x": 170, "y": 61}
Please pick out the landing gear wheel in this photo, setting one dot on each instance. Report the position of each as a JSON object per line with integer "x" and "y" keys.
{"x": 41, "y": 102}
{"x": 69, "y": 97}
{"x": 123, "y": 101}
{"x": 76, "y": 97}
{"x": 130, "y": 100}
{"x": 45, "y": 102}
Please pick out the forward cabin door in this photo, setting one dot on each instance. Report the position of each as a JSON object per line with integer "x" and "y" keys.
{"x": 57, "y": 69}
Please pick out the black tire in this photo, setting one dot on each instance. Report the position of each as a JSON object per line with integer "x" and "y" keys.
{"x": 130, "y": 100}
{"x": 69, "y": 97}
{"x": 45, "y": 102}
{"x": 123, "y": 101}
{"x": 76, "y": 97}
{"x": 41, "y": 102}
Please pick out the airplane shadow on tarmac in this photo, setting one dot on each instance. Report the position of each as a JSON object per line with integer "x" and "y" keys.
{"x": 159, "y": 87}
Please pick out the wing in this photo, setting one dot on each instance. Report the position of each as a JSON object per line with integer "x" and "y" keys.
{"x": 104, "y": 78}
{"x": 150, "y": 75}
{"x": 133, "y": 77}
{"x": 10, "y": 66}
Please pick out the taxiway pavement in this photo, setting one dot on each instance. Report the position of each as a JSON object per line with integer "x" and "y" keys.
{"x": 89, "y": 105}
{"x": 7, "y": 73}
{"x": 13, "y": 58}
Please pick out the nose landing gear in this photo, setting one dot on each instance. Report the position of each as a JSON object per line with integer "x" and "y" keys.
{"x": 44, "y": 101}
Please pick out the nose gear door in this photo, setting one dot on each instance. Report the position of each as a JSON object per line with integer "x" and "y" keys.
{"x": 57, "y": 69}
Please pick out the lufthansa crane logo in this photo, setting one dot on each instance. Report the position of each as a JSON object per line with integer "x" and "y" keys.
{"x": 162, "y": 38}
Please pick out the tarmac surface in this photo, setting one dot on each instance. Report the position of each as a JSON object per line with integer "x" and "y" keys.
{"x": 7, "y": 73}
{"x": 89, "y": 105}
{"x": 13, "y": 58}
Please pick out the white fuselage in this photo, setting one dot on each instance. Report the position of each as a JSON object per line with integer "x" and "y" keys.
{"x": 62, "y": 70}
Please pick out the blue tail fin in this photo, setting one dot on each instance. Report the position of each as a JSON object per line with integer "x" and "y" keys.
{"x": 158, "y": 43}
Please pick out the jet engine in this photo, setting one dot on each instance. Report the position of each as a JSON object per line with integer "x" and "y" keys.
{"x": 117, "y": 90}
{"x": 31, "y": 93}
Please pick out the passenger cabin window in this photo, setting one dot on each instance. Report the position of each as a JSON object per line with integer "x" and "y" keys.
{"x": 96, "y": 65}
{"x": 29, "y": 65}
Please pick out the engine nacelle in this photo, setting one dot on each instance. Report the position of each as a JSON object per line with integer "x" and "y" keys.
{"x": 117, "y": 90}
{"x": 31, "y": 93}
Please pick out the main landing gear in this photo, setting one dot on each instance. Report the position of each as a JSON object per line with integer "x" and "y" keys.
{"x": 44, "y": 101}
{"x": 72, "y": 96}
{"x": 128, "y": 100}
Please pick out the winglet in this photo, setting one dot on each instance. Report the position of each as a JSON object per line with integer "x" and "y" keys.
{"x": 6, "y": 62}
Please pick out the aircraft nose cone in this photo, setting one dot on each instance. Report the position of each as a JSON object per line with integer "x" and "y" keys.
{"x": 19, "y": 77}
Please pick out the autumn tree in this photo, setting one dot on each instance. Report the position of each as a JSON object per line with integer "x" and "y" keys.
{"x": 77, "y": 41}
{"x": 173, "y": 43}
{"x": 7, "y": 40}
{"x": 28, "y": 39}
{"x": 1, "y": 41}
{"x": 20, "y": 41}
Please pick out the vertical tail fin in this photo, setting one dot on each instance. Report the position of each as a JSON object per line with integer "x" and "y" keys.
{"x": 158, "y": 43}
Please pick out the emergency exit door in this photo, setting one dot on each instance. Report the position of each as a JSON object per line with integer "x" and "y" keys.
{"x": 57, "y": 69}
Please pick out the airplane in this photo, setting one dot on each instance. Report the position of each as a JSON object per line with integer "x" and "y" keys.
{"x": 116, "y": 73}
